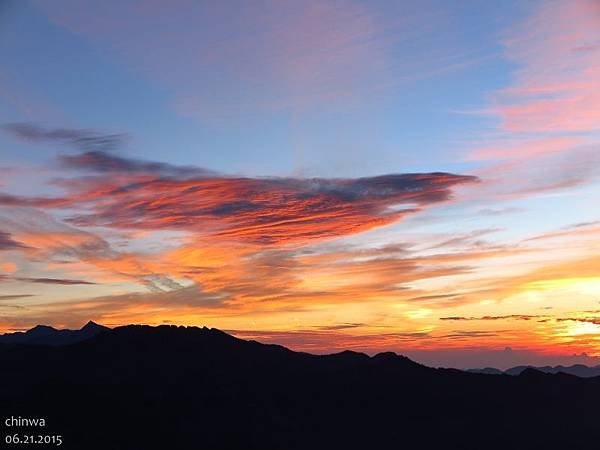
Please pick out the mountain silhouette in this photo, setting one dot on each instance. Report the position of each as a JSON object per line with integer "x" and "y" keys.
{"x": 486, "y": 371}
{"x": 45, "y": 335}
{"x": 578, "y": 370}
{"x": 169, "y": 387}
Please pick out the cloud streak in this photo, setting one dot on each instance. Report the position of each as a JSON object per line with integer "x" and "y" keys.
{"x": 41, "y": 280}
{"x": 8, "y": 243}
{"x": 548, "y": 116}
{"x": 256, "y": 210}
{"x": 104, "y": 162}
{"x": 14, "y": 297}
{"x": 80, "y": 139}
{"x": 508, "y": 317}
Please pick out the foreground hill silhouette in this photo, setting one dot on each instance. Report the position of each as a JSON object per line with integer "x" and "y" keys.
{"x": 167, "y": 387}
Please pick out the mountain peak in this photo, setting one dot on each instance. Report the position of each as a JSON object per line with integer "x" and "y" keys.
{"x": 91, "y": 325}
{"x": 41, "y": 329}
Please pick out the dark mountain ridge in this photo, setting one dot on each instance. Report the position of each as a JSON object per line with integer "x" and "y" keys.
{"x": 168, "y": 387}
{"x": 45, "y": 335}
{"x": 578, "y": 370}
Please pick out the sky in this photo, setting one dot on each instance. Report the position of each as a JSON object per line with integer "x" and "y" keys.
{"x": 411, "y": 176}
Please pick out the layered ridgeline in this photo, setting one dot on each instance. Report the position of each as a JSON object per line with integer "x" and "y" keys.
{"x": 167, "y": 387}
{"x": 578, "y": 370}
{"x": 45, "y": 335}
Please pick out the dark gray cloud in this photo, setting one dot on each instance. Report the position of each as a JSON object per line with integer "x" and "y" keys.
{"x": 508, "y": 317}
{"x": 61, "y": 281}
{"x": 99, "y": 161}
{"x": 8, "y": 243}
{"x": 341, "y": 326}
{"x": 96, "y": 151}
{"x": 15, "y": 297}
{"x": 80, "y": 139}
{"x": 593, "y": 320}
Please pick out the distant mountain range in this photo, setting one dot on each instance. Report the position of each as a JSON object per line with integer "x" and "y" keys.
{"x": 579, "y": 370}
{"x": 168, "y": 387}
{"x": 45, "y": 335}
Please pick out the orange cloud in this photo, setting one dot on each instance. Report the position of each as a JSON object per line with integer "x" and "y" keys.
{"x": 265, "y": 211}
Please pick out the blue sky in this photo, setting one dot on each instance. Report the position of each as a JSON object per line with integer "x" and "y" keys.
{"x": 412, "y": 123}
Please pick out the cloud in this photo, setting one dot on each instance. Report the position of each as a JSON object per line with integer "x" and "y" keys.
{"x": 256, "y": 210}
{"x": 8, "y": 243}
{"x": 36, "y": 280}
{"x": 548, "y": 115}
{"x": 341, "y": 326}
{"x": 317, "y": 53}
{"x": 528, "y": 148}
{"x": 556, "y": 86}
{"x": 466, "y": 239}
{"x": 507, "y": 317}
{"x": 50, "y": 241}
{"x": 435, "y": 297}
{"x": 238, "y": 231}
{"x": 80, "y": 139}
{"x": 470, "y": 334}
{"x": 46, "y": 238}
{"x": 328, "y": 341}
{"x": 522, "y": 177}
{"x": 584, "y": 224}
{"x": 63, "y": 281}
{"x": 14, "y": 297}
{"x": 103, "y": 162}
{"x": 499, "y": 211}
{"x": 594, "y": 320}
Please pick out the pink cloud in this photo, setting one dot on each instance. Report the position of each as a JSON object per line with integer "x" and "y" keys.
{"x": 557, "y": 85}
{"x": 528, "y": 148}
{"x": 549, "y": 113}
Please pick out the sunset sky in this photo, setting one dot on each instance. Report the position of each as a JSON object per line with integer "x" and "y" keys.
{"x": 414, "y": 176}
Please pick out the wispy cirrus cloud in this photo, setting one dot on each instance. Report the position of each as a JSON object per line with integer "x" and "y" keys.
{"x": 266, "y": 210}
{"x": 155, "y": 196}
{"x": 508, "y": 317}
{"x": 15, "y": 297}
{"x": 556, "y": 87}
{"x": 41, "y": 280}
{"x": 80, "y": 139}
{"x": 548, "y": 115}
{"x": 318, "y": 55}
